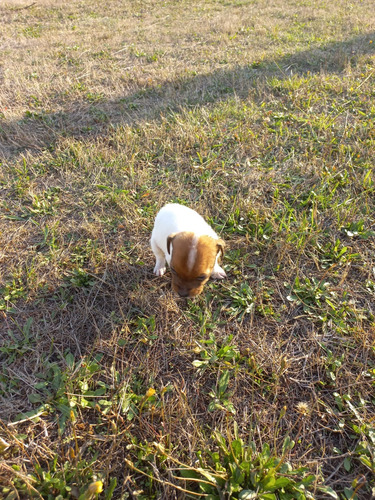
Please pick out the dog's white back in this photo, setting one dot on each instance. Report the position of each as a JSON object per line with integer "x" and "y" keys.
{"x": 175, "y": 218}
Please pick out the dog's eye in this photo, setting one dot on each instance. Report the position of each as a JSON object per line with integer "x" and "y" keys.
{"x": 202, "y": 278}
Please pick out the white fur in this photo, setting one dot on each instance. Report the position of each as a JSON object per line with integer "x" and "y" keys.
{"x": 175, "y": 218}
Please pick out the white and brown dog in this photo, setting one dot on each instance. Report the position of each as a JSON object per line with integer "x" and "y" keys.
{"x": 189, "y": 245}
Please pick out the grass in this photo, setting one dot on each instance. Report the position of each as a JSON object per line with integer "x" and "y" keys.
{"x": 260, "y": 116}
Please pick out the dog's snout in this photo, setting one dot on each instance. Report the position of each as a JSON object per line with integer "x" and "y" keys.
{"x": 183, "y": 293}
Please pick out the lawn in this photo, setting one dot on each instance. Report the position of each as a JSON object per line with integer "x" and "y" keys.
{"x": 259, "y": 115}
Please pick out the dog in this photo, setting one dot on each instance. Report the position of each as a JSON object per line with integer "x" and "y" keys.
{"x": 189, "y": 245}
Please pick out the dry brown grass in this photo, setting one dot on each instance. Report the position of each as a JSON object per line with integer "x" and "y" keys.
{"x": 257, "y": 114}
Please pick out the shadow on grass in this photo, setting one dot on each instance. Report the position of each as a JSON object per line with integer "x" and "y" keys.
{"x": 81, "y": 119}
{"x": 70, "y": 319}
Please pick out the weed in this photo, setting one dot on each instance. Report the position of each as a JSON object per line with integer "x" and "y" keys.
{"x": 320, "y": 301}
{"x": 239, "y": 470}
{"x": 144, "y": 327}
{"x": 202, "y": 315}
{"x": 212, "y": 352}
{"x": 353, "y": 415}
{"x": 61, "y": 479}
{"x": 59, "y": 391}
{"x": 80, "y": 278}
{"x": 311, "y": 294}
{"x": 357, "y": 229}
{"x": 336, "y": 253}
{"x": 242, "y": 301}
{"x": 220, "y": 399}
{"x": 332, "y": 363}
{"x": 252, "y": 224}
{"x": 50, "y": 238}
{"x": 32, "y": 31}
{"x": 11, "y": 292}
{"x": 16, "y": 346}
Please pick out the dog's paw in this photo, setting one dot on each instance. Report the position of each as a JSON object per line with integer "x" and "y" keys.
{"x": 159, "y": 271}
{"x": 218, "y": 273}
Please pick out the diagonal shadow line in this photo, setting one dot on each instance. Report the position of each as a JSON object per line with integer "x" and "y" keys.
{"x": 80, "y": 119}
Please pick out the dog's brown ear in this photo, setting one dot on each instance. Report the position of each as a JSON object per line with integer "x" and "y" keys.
{"x": 220, "y": 247}
{"x": 169, "y": 241}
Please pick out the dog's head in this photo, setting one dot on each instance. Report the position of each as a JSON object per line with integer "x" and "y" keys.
{"x": 192, "y": 261}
